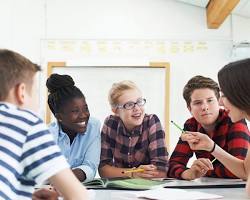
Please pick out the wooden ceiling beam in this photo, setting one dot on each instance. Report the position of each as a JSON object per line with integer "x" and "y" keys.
{"x": 218, "y": 10}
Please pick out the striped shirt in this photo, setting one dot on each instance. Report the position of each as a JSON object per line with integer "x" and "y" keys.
{"x": 144, "y": 145}
{"x": 232, "y": 137}
{"x": 28, "y": 154}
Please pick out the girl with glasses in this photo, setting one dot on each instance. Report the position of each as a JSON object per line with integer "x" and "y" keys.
{"x": 130, "y": 138}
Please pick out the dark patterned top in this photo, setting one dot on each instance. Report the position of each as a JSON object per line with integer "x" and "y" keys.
{"x": 232, "y": 137}
{"x": 144, "y": 145}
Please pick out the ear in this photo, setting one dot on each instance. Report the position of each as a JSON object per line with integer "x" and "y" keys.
{"x": 115, "y": 110}
{"x": 58, "y": 117}
{"x": 20, "y": 92}
{"x": 189, "y": 108}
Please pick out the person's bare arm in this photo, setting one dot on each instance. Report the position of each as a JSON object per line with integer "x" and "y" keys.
{"x": 198, "y": 169}
{"x": 108, "y": 171}
{"x": 199, "y": 141}
{"x": 68, "y": 186}
{"x": 235, "y": 165}
{"x": 150, "y": 171}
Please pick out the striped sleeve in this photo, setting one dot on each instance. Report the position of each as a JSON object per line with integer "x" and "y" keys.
{"x": 41, "y": 157}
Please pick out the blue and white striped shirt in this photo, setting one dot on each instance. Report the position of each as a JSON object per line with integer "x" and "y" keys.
{"x": 28, "y": 153}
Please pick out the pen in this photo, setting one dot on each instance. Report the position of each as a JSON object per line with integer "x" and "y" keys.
{"x": 213, "y": 160}
{"x": 177, "y": 126}
{"x": 49, "y": 187}
{"x": 133, "y": 170}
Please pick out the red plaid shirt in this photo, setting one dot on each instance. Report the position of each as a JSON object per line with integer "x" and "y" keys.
{"x": 232, "y": 137}
{"x": 144, "y": 145}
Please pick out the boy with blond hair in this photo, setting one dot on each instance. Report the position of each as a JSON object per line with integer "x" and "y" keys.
{"x": 28, "y": 154}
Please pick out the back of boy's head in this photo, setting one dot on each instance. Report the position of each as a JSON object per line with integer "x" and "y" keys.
{"x": 15, "y": 69}
{"x": 61, "y": 89}
{"x": 118, "y": 89}
{"x": 199, "y": 82}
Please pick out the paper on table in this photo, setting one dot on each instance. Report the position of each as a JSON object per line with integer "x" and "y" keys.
{"x": 90, "y": 193}
{"x": 168, "y": 193}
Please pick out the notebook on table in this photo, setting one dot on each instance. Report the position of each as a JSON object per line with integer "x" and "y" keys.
{"x": 124, "y": 183}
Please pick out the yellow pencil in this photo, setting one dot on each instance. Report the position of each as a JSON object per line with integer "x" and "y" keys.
{"x": 133, "y": 170}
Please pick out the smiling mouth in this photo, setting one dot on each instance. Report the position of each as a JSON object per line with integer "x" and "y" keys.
{"x": 137, "y": 115}
{"x": 83, "y": 124}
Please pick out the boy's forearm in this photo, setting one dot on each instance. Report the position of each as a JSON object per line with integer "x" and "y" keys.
{"x": 188, "y": 175}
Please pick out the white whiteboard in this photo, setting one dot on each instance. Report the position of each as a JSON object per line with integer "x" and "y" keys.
{"x": 95, "y": 83}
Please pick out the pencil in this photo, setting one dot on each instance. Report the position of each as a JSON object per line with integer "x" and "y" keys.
{"x": 49, "y": 187}
{"x": 133, "y": 170}
{"x": 177, "y": 126}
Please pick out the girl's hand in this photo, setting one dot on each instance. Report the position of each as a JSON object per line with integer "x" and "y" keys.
{"x": 150, "y": 171}
{"x": 198, "y": 141}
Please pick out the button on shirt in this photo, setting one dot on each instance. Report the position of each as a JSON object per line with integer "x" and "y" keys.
{"x": 84, "y": 152}
{"x": 143, "y": 145}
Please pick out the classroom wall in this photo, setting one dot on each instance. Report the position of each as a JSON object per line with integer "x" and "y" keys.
{"x": 26, "y": 26}
{"x": 241, "y": 29}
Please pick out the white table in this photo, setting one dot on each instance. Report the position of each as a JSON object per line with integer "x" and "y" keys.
{"x": 228, "y": 193}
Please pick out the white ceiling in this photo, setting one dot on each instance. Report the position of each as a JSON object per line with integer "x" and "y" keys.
{"x": 242, "y": 9}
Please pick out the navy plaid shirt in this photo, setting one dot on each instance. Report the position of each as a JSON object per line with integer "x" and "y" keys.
{"x": 232, "y": 137}
{"x": 144, "y": 145}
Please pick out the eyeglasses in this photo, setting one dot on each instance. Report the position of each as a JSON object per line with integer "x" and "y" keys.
{"x": 130, "y": 105}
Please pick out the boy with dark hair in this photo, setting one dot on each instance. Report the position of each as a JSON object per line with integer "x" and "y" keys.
{"x": 202, "y": 97}
{"x": 28, "y": 154}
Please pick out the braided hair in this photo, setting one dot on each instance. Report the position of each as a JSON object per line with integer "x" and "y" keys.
{"x": 61, "y": 89}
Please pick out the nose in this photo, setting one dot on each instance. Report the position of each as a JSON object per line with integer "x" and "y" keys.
{"x": 204, "y": 106}
{"x": 136, "y": 106}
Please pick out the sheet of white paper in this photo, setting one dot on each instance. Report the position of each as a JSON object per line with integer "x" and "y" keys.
{"x": 171, "y": 194}
{"x": 91, "y": 195}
